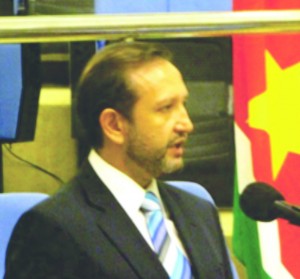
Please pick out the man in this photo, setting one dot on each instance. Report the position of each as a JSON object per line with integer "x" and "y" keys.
{"x": 131, "y": 102}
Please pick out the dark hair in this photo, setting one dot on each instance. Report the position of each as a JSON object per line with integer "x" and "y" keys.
{"x": 104, "y": 83}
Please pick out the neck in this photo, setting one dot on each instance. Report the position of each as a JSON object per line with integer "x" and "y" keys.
{"x": 127, "y": 166}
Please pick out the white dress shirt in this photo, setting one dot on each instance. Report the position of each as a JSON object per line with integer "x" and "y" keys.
{"x": 130, "y": 195}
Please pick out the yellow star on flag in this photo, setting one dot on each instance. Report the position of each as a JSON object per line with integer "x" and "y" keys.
{"x": 277, "y": 111}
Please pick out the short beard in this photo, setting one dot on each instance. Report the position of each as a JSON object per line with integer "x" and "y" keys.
{"x": 154, "y": 162}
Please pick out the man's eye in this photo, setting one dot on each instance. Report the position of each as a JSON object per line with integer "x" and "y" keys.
{"x": 166, "y": 108}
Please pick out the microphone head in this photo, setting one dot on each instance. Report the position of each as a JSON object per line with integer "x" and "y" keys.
{"x": 257, "y": 201}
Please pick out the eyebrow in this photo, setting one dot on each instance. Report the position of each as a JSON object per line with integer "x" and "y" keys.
{"x": 168, "y": 99}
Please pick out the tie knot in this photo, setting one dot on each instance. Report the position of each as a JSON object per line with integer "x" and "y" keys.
{"x": 150, "y": 203}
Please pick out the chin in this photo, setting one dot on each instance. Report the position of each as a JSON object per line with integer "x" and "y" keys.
{"x": 173, "y": 165}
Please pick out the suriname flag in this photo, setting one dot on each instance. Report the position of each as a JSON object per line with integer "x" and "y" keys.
{"x": 267, "y": 136}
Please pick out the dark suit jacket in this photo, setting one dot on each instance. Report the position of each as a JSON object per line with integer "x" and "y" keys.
{"x": 82, "y": 232}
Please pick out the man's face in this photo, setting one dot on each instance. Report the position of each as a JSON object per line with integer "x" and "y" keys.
{"x": 160, "y": 123}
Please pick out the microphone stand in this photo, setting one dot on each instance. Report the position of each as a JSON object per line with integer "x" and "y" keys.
{"x": 288, "y": 212}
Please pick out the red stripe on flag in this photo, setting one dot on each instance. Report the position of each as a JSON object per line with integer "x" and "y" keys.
{"x": 249, "y": 80}
{"x": 285, "y": 48}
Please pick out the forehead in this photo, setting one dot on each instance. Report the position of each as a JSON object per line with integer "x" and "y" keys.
{"x": 157, "y": 78}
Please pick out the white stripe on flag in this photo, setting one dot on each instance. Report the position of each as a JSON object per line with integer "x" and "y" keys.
{"x": 269, "y": 242}
{"x": 244, "y": 159}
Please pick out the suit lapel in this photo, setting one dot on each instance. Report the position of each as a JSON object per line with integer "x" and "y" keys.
{"x": 119, "y": 229}
{"x": 192, "y": 231}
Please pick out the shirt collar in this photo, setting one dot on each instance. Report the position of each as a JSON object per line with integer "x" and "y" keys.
{"x": 127, "y": 192}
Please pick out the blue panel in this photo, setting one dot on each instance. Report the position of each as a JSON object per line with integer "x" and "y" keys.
{"x": 199, "y": 5}
{"x": 10, "y": 89}
{"x": 130, "y": 6}
{"x": 16, "y": 6}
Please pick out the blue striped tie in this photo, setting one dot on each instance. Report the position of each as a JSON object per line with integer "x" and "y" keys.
{"x": 175, "y": 263}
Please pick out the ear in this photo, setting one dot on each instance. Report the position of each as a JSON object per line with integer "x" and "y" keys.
{"x": 112, "y": 123}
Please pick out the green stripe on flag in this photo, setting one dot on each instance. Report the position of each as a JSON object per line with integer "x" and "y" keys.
{"x": 246, "y": 242}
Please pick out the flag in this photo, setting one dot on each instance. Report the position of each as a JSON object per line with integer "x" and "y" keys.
{"x": 267, "y": 120}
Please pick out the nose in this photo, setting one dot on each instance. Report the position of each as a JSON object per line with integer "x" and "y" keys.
{"x": 184, "y": 123}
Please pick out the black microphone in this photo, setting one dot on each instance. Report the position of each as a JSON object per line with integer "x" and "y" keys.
{"x": 263, "y": 202}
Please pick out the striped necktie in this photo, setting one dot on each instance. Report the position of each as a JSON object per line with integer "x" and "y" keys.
{"x": 173, "y": 260}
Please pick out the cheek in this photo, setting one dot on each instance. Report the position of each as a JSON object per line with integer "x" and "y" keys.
{"x": 158, "y": 139}
{"x": 155, "y": 129}
{"x": 150, "y": 137}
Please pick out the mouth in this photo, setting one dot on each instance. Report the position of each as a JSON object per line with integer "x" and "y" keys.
{"x": 177, "y": 147}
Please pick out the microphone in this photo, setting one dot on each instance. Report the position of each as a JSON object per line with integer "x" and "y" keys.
{"x": 262, "y": 202}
